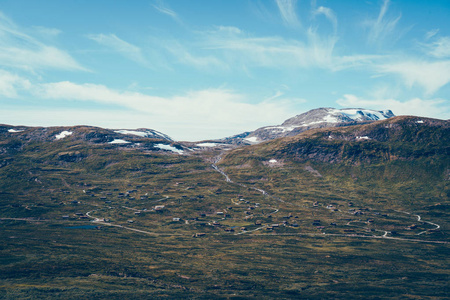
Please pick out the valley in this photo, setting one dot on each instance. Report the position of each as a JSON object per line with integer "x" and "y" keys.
{"x": 299, "y": 217}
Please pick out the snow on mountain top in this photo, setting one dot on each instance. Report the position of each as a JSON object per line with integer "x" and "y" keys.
{"x": 169, "y": 148}
{"x": 144, "y": 133}
{"x": 333, "y": 115}
{"x": 364, "y": 114}
{"x": 317, "y": 118}
{"x": 162, "y": 135}
{"x": 14, "y": 130}
{"x": 63, "y": 134}
{"x": 133, "y": 132}
{"x": 119, "y": 141}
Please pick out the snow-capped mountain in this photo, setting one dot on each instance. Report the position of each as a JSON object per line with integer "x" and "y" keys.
{"x": 317, "y": 118}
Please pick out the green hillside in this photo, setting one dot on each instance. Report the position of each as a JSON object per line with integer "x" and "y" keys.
{"x": 350, "y": 212}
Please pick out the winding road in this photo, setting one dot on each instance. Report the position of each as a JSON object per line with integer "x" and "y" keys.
{"x": 384, "y": 236}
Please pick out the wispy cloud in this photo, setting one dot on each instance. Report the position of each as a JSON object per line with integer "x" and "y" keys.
{"x": 186, "y": 56}
{"x": 277, "y": 52}
{"x": 329, "y": 14}
{"x": 288, "y": 14}
{"x": 160, "y": 6}
{"x": 383, "y": 26}
{"x": 439, "y": 48}
{"x": 124, "y": 48}
{"x": 430, "y": 75}
{"x": 22, "y": 51}
{"x": 47, "y": 32}
{"x": 434, "y": 108}
{"x": 431, "y": 33}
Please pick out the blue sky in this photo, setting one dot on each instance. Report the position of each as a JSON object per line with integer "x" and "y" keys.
{"x": 204, "y": 69}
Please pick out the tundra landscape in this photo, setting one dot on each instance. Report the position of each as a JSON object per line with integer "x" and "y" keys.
{"x": 226, "y": 149}
{"x": 358, "y": 210}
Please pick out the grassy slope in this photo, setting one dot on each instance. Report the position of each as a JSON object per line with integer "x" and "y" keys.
{"x": 46, "y": 259}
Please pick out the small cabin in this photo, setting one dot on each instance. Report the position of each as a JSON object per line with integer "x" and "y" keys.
{"x": 159, "y": 207}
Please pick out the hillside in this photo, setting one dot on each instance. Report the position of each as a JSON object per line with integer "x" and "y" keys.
{"x": 349, "y": 212}
{"x": 406, "y": 156}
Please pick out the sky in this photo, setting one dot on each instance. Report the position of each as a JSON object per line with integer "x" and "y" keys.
{"x": 205, "y": 69}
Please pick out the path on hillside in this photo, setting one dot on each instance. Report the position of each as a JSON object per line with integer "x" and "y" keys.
{"x": 103, "y": 222}
{"x": 384, "y": 236}
{"x": 419, "y": 219}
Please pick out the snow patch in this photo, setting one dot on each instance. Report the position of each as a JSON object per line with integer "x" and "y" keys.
{"x": 147, "y": 133}
{"x": 419, "y": 122}
{"x": 169, "y": 148}
{"x": 119, "y": 141}
{"x": 14, "y": 130}
{"x": 363, "y": 138}
{"x": 252, "y": 139}
{"x": 162, "y": 135}
{"x": 282, "y": 128}
{"x": 207, "y": 144}
{"x": 132, "y": 132}
{"x": 359, "y": 114}
{"x": 328, "y": 119}
{"x": 272, "y": 161}
{"x": 63, "y": 134}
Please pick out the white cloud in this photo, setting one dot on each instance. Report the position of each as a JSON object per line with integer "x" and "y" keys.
{"x": 19, "y": 50}
{"x": 383, "y": 26}
{"x": 429, "y": 75}
{"x": 126, "y": 49}
{"x": 287, "y": 11}
{"x": 440, "y": 48}
{"x": 11, "y": 84}
{"x": 202, "y": 114}
{"x": 433, "y": 108}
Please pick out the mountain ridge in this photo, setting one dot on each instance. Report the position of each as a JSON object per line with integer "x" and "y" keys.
{"x": 401, "y": 137}
{"x": 317, "y": 118}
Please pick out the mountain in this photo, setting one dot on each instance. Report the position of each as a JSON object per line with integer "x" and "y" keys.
{"x": 316, "y": 118}
{"x": 88, "y": 133}
{"x": 15, "y": 138}
{"x": 405, "y": 157}
{"x": 402, "y": 138}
